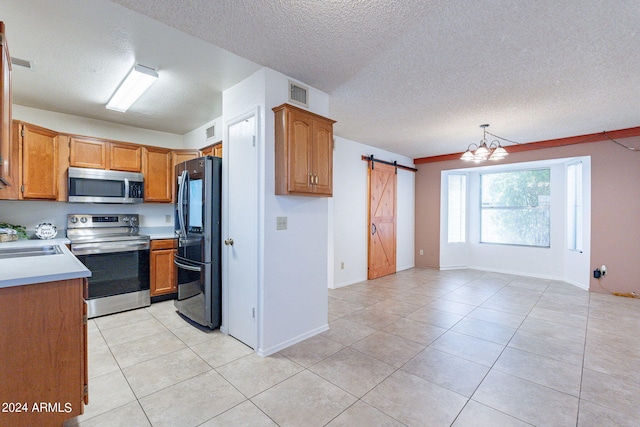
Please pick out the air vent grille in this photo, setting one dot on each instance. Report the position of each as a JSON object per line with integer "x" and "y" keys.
{"x": 298, "y": 94}
{"x": 211, "y": 132}
{"x": 21, "y": 63}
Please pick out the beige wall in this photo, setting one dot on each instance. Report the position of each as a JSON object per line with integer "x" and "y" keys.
{"x": 615, "y": 209}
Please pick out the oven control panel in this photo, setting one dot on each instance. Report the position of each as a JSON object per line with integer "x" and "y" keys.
{"x": 102, "y": 221}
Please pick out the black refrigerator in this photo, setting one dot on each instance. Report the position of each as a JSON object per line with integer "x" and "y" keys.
{"x": 197, "y": 227}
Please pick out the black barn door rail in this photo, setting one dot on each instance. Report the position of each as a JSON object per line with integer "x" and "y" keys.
{"x": 373, "y": 160}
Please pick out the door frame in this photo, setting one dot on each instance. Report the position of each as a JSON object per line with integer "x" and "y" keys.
{"x": 253, "y": 113}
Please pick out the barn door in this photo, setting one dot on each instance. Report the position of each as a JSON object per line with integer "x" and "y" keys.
{"x": 382, "y": 220}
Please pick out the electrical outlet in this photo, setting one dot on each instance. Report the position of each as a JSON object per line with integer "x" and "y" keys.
{"x": 281, "y": 223}
{"x": 342, "y": 266}
{"x": 167, "y": 219}
{"x": 421, "y": 252}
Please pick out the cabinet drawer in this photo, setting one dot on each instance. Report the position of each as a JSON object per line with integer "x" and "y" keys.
{"x": 164, "y": 244}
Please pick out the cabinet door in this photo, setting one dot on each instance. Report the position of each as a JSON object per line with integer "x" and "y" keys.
{"x": 322, "y": 158}
{"x": 42, "y": 351}
{"x": 12, "y": 191}
{"x": 8, "y": 165}
{"x": 88, "y": 153}
{"x": 217, "y": 150}
{"x": 214, "y": 150}
{"x": 180, "y": 156}
{"x": 39, "y": 163}
{"x": 303, "y": 152}
{"x": 158, "y": 175}
{"x": 163, "y": 270}
{"x": 125, "y": 157}
{"x": 299, "y": 139}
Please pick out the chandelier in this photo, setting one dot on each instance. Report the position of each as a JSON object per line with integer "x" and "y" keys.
{"x": 482, "y": 151}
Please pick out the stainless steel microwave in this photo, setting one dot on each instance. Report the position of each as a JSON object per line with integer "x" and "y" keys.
{"x": 105, "y": 186}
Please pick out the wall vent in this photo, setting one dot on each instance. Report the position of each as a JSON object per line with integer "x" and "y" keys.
{"x": 22, "y": 63}
{"x": 298, "y": 94}
{"x": 211, "y": 132}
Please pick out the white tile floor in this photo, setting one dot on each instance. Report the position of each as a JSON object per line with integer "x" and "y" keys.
{"x": 418, "y": 348}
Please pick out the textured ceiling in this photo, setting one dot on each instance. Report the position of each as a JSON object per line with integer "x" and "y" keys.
{"x": 414, "y": 77}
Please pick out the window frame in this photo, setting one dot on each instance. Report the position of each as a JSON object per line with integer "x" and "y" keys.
{"x": 513, "y": 208}
{"x": 462, "y": 213}
{"x": 575, "y": 206}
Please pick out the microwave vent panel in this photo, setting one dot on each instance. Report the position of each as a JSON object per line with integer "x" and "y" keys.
{"x": 298, "y": 94}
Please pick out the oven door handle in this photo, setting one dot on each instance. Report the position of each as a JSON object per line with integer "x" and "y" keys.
{"x": 187, "y": 267}
{"x": 104, "y": 248}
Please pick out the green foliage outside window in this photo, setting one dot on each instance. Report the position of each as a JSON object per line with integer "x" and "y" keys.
{"x": 515, "y": 207}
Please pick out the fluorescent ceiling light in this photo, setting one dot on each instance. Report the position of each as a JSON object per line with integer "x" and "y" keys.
{"x": 132, "y": 87}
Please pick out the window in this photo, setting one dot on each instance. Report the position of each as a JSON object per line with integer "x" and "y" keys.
{"x": 574, "y": 207}
{"x": 515, "y": 207}
{"x": 457, "y": 207}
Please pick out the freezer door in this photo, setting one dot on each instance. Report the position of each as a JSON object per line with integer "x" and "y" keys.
{"x": 194, "y": 293}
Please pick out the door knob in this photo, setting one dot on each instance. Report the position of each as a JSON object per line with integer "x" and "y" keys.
{"x": 228, "y": 242}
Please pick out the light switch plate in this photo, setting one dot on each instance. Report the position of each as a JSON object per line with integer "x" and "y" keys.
{"x": 281, "y": 223}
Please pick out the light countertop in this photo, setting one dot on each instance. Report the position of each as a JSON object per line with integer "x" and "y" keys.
{"x": 39, "y": 269}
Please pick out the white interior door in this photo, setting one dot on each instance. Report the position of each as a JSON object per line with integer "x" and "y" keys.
{"x": 241, "y": 239}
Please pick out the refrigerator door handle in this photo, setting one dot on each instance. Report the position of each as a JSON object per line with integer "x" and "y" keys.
{"x": 186, "y": 267}
{"x": 181, "y": 183}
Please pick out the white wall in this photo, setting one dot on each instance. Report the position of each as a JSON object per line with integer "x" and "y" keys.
{"x": 349, "y": 212}
{"x": 296, "y": 259}
{"x": 554, "y": 262}
{"x": 30, "y": 213}
{"x": 292, "y": 283}
{"x": 197, "y": 138}
{"x": 65, "y": 123}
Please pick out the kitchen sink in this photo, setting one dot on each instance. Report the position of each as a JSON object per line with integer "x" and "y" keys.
{"x": 27, "y": 252}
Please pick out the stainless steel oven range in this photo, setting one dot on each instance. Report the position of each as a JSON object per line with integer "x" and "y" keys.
{"x": 118, "y": 257}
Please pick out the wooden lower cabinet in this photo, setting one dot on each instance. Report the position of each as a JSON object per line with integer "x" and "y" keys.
{"x": 43, "y": 349}
{"x": 163, "y": 277}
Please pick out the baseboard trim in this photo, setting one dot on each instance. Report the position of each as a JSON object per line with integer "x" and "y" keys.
{"x": 264, "y": 352}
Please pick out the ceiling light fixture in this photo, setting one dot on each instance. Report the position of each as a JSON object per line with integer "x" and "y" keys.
{"x": 132, "y": 87}
{"x": 482, "y": 152}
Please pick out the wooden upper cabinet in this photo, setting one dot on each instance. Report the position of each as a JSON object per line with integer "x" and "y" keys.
{"x": 157, "y": 166}
{"x": 304, "y": 152}
{"x": 7, "y": 166}
{"x": 125, "y": 157}
{"x": 180, "y": 156}
{"x": 214, "y": 150}
{"x": 39, "y": 163}
{"x": 322, "y": 157}
{"x": 12, "y": 191}
{"x": 86, "y": 152}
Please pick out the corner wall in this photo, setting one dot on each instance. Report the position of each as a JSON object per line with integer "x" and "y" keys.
{"x": 349, "y": 210}
{"x": 291, "y": 292}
